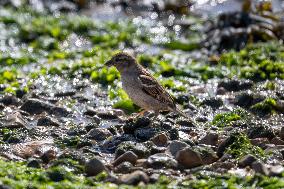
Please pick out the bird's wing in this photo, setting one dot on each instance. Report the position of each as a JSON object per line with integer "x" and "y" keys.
{"x": 151, "y": 87}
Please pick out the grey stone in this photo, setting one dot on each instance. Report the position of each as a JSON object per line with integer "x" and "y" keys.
{"x": 247, "y": 160}
{"x": 99, "y": 134}
{"x": 128, "y": 156}
{"x": 135, "y": 178}
{"x": 94, "y": 167}
{"x": 176, "y": 146}
{"x": 161, "y": 161}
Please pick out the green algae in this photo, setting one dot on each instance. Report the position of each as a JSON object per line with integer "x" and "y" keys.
{"x": 267, "y": 106}
{"x": 229, "y": 118}
{"x": 241, "y": 146}
{"x": 17, "y": 175}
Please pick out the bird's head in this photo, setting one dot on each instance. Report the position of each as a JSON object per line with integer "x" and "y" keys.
{"x": 121, "y": 61}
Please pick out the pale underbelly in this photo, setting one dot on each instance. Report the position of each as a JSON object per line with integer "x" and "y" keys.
{"x": 140, "y": 98}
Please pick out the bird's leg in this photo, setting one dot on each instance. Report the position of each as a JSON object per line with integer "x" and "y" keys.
{"x": 138, "y": 114}
{"x": 156, "y": 114}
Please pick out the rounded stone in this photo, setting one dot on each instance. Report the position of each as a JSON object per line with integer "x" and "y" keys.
{"x": 135, "y": 178}
{"x": 94, "y": 167}
{"x": 160, "y": 139}
{"x": 189, "y": 158}
{"x": 128, "y": 156}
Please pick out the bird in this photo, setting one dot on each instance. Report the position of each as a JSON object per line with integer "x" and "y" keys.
{"x": 141, "y": 87}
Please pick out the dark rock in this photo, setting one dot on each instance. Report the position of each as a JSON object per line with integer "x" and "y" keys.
{"x": 247, "y": 161}
{"x": 161, "y": 161}
{"x": 83, "y": 143}
{"x": 260, "y": 131}
{"x": 210, "y": 139}
{"x": 91, "y": 126}
{"x": 48, "y": 156}
{"x": 36, "y": 106}
{"x": 213, "y": 102}
{"x": 248, "y": 99}
{"x": 124, "y": 168}
{"x": 146, "y": 133}
{"x": 189, "y": 158}
{"x": 173, "y": 134}
{"x": 65, "y": 93}
{"x": 94, "y": 167}
{"x": 2, "y": 186}
{"x": 160, "y": 139}
{"x": 90, "y": 111}
{"x": 277, "y": 141}
{"x": 9, "y": 99}
{"x": 108, "y": 114}
{"x": 176, "y": 146}
{"x": 110, "y": 144}
{"x": 185, "y": 123}
{"x": 34, "y": 163}
{"x": 132, "y": 125}
{"x": 142, "y": 150}
{"x": 99, "y": 134}
{"x": 47, "y": 121}
{"x": 181, "y": 99}
{"x": 223, "y": 146}
{"x": 259, "y": 167}
{"x": 20, "y": 93}
{"x": 208, "y": 156}
{"x": 281, "y": 134}
{"x": 167, "y": 125}
{"x": 128, "y": 156}
{"x": 135, "y": 178}
{"x": 157, "y": 149}
{"x": 235, "y": 85}
{"x": 201, "y": 119}
{"x": 14, "y": 120}
{"x": 2, "y": 106}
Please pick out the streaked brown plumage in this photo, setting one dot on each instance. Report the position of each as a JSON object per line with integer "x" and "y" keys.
{"x": 141, "y": 86}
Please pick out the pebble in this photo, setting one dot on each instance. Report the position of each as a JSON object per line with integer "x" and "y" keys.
{"x": 189, "y": 158}
{"x": 161, "y": 161}
{"x": 260, "y": 167}
{"x": 99, "y": 134}
{"x": 160, "y": 139}
{"x": 14, "y": 120}
{"x": 9, "y": 100}
{"x": 36, "y": 106}
{"x": 176, "y": 146}
{"x": 34, "y": 163}
{"x": 142, "y": 150}
{"x": 48, "y": 156}
{"x": 47, "y": 121}
{"x": 247, "y": 161}
{"x": 124, "y": 168}
{"x": 135, "y": 178}
{"x": 128, "y": 156}
{"x": 210, "y": 139}
{"x": 94, "y": 167}
{"x": 213, "y": 102}
{"x": 281, "y": 134}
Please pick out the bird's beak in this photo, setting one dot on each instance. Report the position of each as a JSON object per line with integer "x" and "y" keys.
{"x": 109, "y": 63}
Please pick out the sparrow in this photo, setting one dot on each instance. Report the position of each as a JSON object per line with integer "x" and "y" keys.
{"x": 142, "y": 88}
